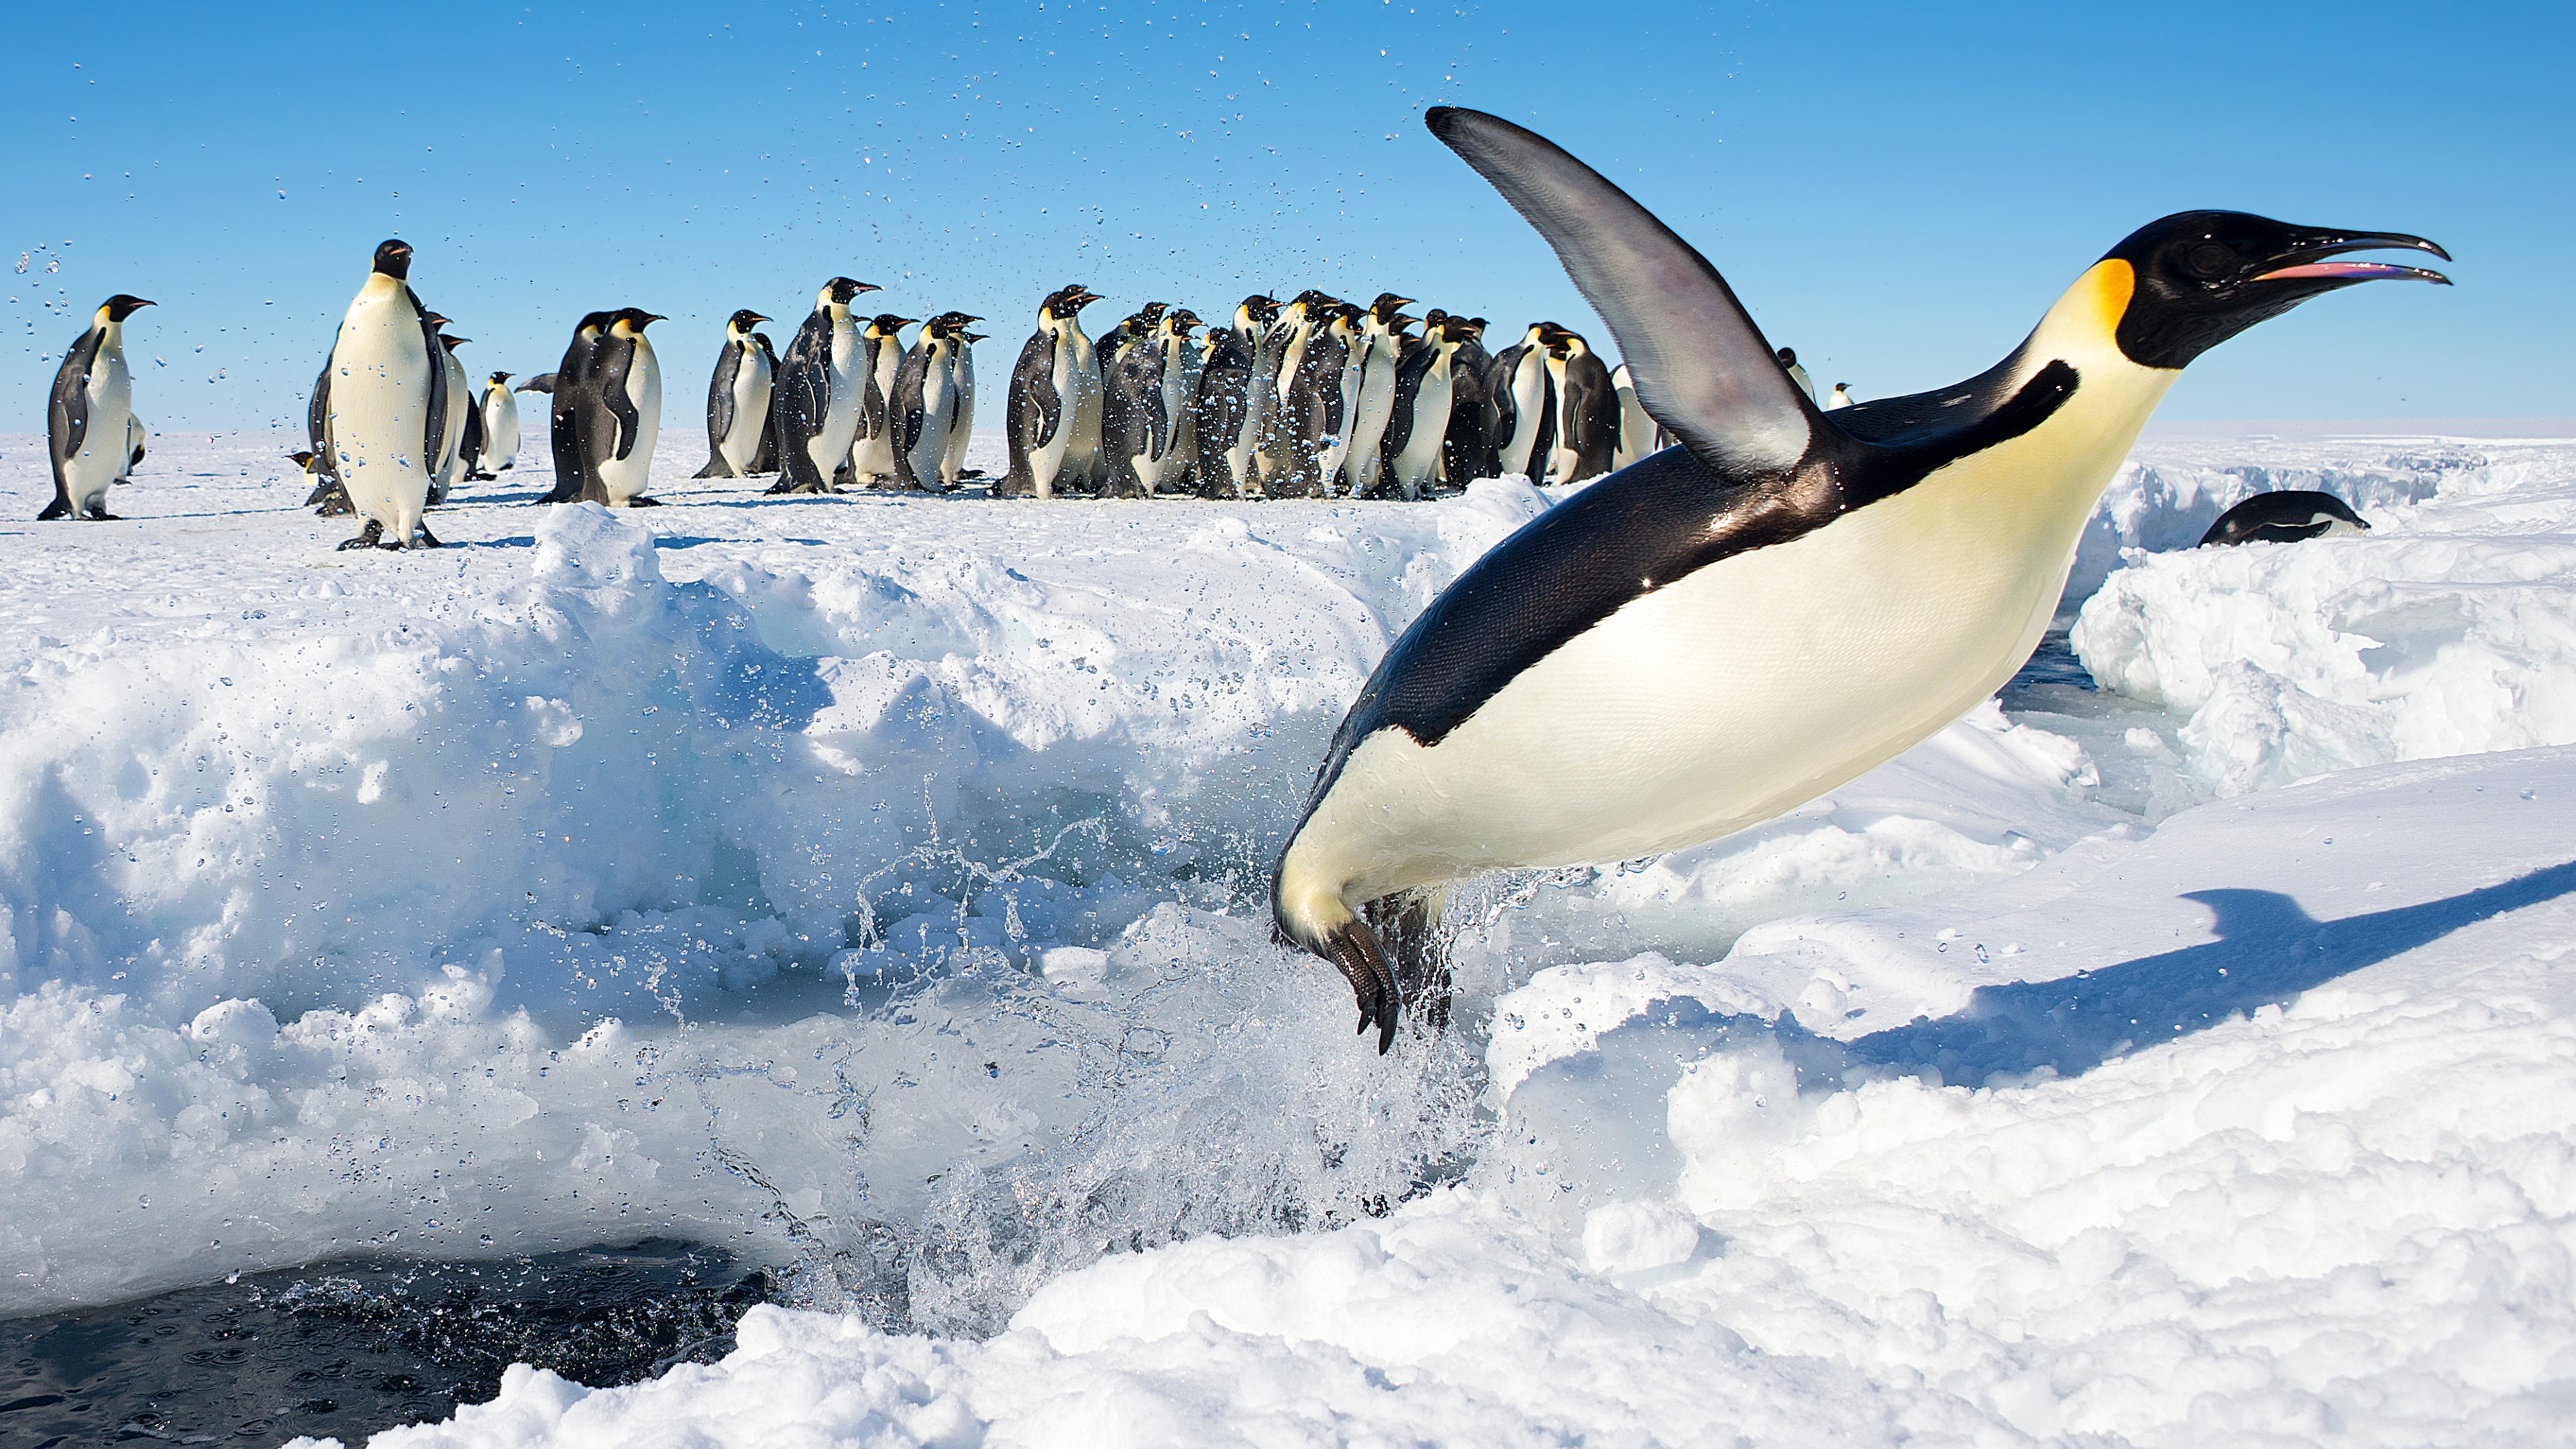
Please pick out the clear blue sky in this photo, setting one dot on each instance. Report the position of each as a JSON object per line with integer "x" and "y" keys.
{"x": 1896, "y": 191}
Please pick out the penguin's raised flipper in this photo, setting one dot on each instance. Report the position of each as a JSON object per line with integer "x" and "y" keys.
{"x": 1702, "y": 368}
{"x": 367, "y": 537}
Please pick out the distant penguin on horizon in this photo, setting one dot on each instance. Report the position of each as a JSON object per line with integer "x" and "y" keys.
{"x": 2285, "y": 515}
{"x": 452, "y": 458}
{"x": 737, "y": 399}
{"x": 88, "y": 417}
{"x": 388, "y": 405}
{"x": 815, "y": 397}
{"x": 1842, "y": 397}
{"x": 1789, "y": 364}
{"x": 500, "y": 409}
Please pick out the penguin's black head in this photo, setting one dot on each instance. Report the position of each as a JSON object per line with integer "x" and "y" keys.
{"x": 746, "y": 319}
{"x": 435, "y": 319}
{"x": 948, "y": 322}
{"x": 452, "y": 343}
{"x": 1432, "y": 319}
{"x": 636, "y": 318}
{"x": 122, "y": 306}
{"x": 1788, "y": 357}
{"x": 1261, "y": 308}
{"x": 842, "y": 289}
{"x": 1067, "y": 301}
{"x": 595, "y": 322}
{"x": 497, "y": 379}
{"x": 393, "y": 258}
{"x": 1182, "y": 321}
{"x": 1455, "y": 329}
{"x": 300, "y": 458}
{"x": 2201, "y": 277}
{"x": 972, "y": 336}
{"x": 887, "y": 324}
{"x": 1387, "y": 305}
{"x": 1152, "y": 312}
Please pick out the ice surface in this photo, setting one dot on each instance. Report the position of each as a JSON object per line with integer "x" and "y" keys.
{"x": 877, "y": 885}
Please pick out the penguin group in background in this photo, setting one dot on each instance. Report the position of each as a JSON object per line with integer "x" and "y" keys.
{"x": 500, "y": 410}
{"x": 1147, "y": 403}
{"x": 387, "y": 404}
{"x": 89, "y": 415}
{"x": 738, "y": 398}
{"x": 816, "y": 395}
{"x": 933, "y": 406}
{"x": 1052, "y": 412}
{"x": 1733, "y": 626}
{"x": 881, "y": 357}
{"x": 2285, "y": 515}
{"x": 623, "y": 400}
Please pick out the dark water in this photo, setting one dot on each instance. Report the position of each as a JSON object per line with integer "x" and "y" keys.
{"x": 351, "y": 1348}
{"x": 2053, "y": 662}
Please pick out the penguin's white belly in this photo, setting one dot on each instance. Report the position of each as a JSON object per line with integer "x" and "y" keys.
{"x": 873, "y": 457}
{"x": 104, "y": 450}
{"x": 1529, "y": 392}
{"x": 831, "y": 442}
{"x": 451, "y": 448}
{"x": 1083, "y": 400}
{"x": 625, "y": 478}
{"x": 500, "y": 431}
{"x": 1421, "y": 455}
{"x": 751, "y": 387}
{"x": 380, "y": 382}
{"x": 938, "y": 397}
{"x": 961, "y": 420}
{"x": 1714, "y": 703}
{"x": 1375, "y": 406}
{"x": 1047, "y": 462}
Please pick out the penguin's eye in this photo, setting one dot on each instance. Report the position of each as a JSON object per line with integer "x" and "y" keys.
{"x": 2209, "y": 260}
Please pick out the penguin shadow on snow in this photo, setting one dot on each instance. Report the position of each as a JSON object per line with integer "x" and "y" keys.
{"x": 2269, "y": 951}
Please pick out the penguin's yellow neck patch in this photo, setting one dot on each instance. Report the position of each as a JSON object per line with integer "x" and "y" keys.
{"x": 2101, "y": 296}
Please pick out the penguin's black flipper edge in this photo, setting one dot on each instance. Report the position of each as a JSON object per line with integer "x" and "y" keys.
{"x": 1702, "y": 368}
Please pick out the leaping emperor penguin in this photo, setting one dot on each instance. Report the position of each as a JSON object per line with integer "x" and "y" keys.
{"x": 1731, "y": 627}
{"x": 87, "y": 422}
{"x": 388, "y": 405}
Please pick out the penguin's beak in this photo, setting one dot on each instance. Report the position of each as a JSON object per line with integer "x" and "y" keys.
{"x": 2311, "y": 260}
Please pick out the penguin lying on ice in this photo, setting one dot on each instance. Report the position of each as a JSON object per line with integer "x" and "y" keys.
{"x": 2283, "y": 516}
{"x": 1734, "y": 626}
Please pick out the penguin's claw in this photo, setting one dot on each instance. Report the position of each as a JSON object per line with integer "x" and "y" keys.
{"x": 1353, "y": 949}
{"x": 367, "y": 537}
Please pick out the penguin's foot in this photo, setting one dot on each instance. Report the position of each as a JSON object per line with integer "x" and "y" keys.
{"x": 640, "y": 501}
{"x": 56, "y": 509}
{"x": 368, "y": 537}
{"x": 1352, "y": 948}
{"x": 788, "y": 484}
{"x": 101, "y": 515}
{"x": 1408, "y": 926}
{"x": 423, "y": 538}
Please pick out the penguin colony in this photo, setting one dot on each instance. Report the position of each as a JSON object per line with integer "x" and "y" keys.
{"x": 1314, "y": 398}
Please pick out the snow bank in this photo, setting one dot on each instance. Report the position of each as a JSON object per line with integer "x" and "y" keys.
{"x": 2450, "y": 628}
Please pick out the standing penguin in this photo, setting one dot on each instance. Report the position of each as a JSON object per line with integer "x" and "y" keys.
{"x": 766, "y": 462}
{"x": 1842, "y": 397}
{"x": 626, "y": 411}
{"x": 135, "y": 436}
{"x": 568, "y": 384}
{"x": 1185, "y": 436}
{"x": 86, "y": 419}
{"x": 1639, "y": 434}
{"x": 1468, "y": 454}
{"x": 1520, "y": 406}
{"x": 1309, "y": 389}
{"x": 1417, "y": 428}
{"x": 927, "y": 407}
{"x": 1334, "y": 360}
{"x": 816, "y": 394}
{"x": 388, "y": 405}
{"x": 1736, "y": 625}
{"x": 872, "y": 446}
{"x": 500, "y": 412}
{"x": 1225, "y": 419}
{"x": 1141, "y": 416}
{"x": 1055, "y": 383}
{"x": 452, "y": 461}
{"x": 1382, "y": 340}
{"x": 737, "y": 399}
{"x": 952, "y": 461}
{"x": 1789, "y": 363}
{"x": 1587, "y": 411}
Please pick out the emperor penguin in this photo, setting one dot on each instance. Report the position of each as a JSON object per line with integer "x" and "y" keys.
{"x": 1842, "y": 397}
{"x": 1468, "y": 454}
{"x": 1417, "y": 428}
{"x": 1314, "y": 329}
{"x": 1520, "y": 406}
{"x": 135, "y": 437}
{"x": 500, "y": 426}
{"x": 1185, "y": 430}
{"x": 1141, "y": 416}
{"x": 567, "y": 387}
{"x": 1135, "y": 326}
{"x": 1789, "y": 364}
{"x": 766, "y": 462}
{"x": 1224, "y": 416}
{"x": 815, "y": 397}
{"x": 1639, "y": 434}
{"x": 1587, "y": 411}
{"x": 469, "y": 448}
{"x": 388, "y": 390}
{"x": 1382, "y": 339}
{"x": 872, "y": 446}
{"x": 1054, "y": 387}
{"x": 737, "y": 399}
{"x": 1733, "y": 626}
{"x": 926, "y": 404}
{"x": 952, "y": 461}
{"x": 2284, "y": 515}
{"x": 460, "y": 406}
{"x": 1335, "y": 358}
{"x": 626, "y": 410}
{"x": 88, "y": 417}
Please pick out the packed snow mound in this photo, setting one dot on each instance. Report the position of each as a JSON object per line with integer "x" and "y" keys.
{"x": 2261, "y": 1138}
{"x": 2449, "y": 628}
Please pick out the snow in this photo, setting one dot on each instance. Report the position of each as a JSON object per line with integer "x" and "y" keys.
{"x": 877, "y": 884}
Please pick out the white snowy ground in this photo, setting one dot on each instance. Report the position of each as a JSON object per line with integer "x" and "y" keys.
{"x": 878, "y": 884}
